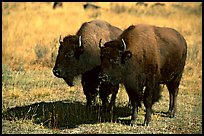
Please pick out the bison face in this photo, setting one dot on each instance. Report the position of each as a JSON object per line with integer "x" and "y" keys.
{"x": 113, "y": 58}
{"x": 66, "y": 65}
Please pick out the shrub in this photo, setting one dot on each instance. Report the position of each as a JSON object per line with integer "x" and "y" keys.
{"x": 118, "y": 8}
{"x": 41, "y": 51}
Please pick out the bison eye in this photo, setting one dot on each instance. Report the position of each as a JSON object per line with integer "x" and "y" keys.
{"x": 69, "y": 55}
{"x": 115, "y": 61}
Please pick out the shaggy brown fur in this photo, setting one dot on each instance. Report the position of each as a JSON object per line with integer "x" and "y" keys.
{"x": 73, "y": 60}
{"x": 152, "y": 56}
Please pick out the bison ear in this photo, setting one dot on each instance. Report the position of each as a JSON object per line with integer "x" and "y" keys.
{"x": 125, "y": 56}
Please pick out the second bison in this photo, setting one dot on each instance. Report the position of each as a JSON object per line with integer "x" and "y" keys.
{"x": 145, "y": 56}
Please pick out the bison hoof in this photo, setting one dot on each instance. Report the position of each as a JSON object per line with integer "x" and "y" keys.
{"x": 171, "y": 114}
{"x": 146, "y": 123}
{"x": 132, "y": 123}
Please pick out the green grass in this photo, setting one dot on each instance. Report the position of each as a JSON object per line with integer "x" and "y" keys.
{"x": 22, "y": 91}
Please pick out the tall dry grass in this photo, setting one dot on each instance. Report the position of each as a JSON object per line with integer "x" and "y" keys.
{"x": 26, "y": 25}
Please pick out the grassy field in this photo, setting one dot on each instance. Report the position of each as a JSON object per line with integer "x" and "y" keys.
{"x": 35, "y": 101}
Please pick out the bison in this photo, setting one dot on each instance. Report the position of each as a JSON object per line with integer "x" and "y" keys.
{"x": 142, "y": 58}
{"x": 80, "y": 54}
{"x": 57, "y": 4}
{"x": 90, "y": 6}
{"x": 141, "y": 4}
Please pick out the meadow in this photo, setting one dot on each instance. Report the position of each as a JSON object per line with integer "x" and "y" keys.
{"x": 35, "y": 101}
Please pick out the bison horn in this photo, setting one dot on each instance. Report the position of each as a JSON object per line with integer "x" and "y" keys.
{"x": 124, "y": 45}
{"x": 79, "y": 41}
{"x": 60, "y": 39}
{"x": 100, "y": 44}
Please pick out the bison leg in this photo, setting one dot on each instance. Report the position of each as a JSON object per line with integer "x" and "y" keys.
{"x": 91, "y": 99}
{"x": 134, "y": 113}
{"x": 148, "y": 100}
{"x": 135, "y": 100}
{"x": 173, "y": 88}
{"x": 112, "y": 102}
{"x": 104, "y": 103}
{"x": 104, "y": 95}
{"x": 90, "y": 85}
{"x": 113, "y": 97}
{"x": 173, "y": 92}
{"x": 148, "y": 106}
{"x": 88, "y": 103}
{"x": 91, "y": 94}
{"x": 104, "y": 91}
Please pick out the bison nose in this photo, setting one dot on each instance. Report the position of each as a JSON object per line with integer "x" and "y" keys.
{"x": 56, "y": 72}
{"x": 103, "y": 78}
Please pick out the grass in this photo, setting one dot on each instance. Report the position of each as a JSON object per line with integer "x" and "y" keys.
{"x": 35, "y": 101}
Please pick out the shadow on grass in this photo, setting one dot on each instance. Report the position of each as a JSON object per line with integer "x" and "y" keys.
{"x": 63, "y": 114}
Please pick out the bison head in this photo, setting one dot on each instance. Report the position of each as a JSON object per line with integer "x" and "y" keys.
{"x": 113, "y": 57}
{"x": 66, "y": 65}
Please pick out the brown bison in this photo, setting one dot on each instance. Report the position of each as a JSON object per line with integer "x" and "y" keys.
{"x": 57, "y": 4}
{"x": 91, "y": 6}
{"x": 80, "y": 54}
{"x": 144, "y": 57}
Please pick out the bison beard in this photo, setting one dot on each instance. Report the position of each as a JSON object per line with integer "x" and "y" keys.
{"x": 145, "y": 56}
{"x": 69, "y": 81}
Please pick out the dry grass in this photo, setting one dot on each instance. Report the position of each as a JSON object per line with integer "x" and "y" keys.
{"x": 27, "y": 25}
{"x": 30, "y": 34}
